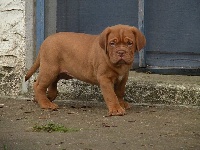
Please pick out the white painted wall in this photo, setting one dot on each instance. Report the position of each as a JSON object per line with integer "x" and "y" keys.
{"x": 16, "y": 44}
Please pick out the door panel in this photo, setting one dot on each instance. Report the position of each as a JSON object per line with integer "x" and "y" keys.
{"x": 172, "y": 30}
{"x": 93, "y": 16}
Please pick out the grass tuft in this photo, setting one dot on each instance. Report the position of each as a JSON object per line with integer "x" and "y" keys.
{"x": 52, "y": 127}
{"x": 4, "y": 147}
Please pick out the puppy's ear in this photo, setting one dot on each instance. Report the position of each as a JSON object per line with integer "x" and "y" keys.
{"x": 140, "y": 38}
{"x": 103, "y": 39}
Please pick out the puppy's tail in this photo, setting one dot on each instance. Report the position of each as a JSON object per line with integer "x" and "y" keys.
{"x": 33, "y": 69}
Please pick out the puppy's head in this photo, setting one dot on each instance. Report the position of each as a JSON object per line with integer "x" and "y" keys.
{"x": 120, "y": 42}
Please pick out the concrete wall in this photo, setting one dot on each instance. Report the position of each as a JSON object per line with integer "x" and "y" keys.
{"x": 16, "y": 45}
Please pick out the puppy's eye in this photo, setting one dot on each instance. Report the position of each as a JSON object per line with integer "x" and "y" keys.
{"x": 129, "y": 43}
{"x": 112, "y": 43}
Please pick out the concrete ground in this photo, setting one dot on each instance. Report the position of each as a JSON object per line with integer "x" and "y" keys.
{"x": 165, "y": 115}
{"x": 144, "y": 127}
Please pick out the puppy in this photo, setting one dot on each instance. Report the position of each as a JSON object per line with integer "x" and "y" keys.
{"x": 103, "y": 60}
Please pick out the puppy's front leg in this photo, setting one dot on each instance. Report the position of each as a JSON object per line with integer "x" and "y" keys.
{"x": 120, "y": 91}
{"x": 112, "y": 102}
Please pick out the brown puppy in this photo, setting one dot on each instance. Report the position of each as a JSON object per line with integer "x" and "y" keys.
{"x": 104, "y": 60}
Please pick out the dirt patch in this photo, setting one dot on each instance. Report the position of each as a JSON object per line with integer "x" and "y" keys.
{"x": 144, "y": 127}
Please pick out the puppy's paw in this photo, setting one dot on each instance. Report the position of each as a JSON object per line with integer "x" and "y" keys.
{"x": 49, "y": 105}
{"x": 124, "y": 104}
{"x": 35, "y": 100}
{"x": 117, "y": 111}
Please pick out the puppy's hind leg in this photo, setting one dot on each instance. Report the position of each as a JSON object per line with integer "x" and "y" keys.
{"x": 40, "y": 87}
{"x": 52, "y": 91}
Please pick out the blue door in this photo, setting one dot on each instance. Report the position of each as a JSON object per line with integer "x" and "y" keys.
{"x": 92, "y": 16}
{"x": 172, "y": 28}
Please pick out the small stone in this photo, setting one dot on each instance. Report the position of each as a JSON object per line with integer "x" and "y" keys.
{"x": 1, "y": 105}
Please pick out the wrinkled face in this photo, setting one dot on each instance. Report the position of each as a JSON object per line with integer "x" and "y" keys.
{"x": 120, "y": 42}
{"x": 121, "y": 46}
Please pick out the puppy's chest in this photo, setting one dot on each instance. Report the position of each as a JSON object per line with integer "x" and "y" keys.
{"x": 120, "y": 78}
{"x": 118, "y": 81}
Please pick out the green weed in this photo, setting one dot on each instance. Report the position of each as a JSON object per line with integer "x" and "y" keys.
{"x": 52, "y": 127}
{"x": 4, "y": 147}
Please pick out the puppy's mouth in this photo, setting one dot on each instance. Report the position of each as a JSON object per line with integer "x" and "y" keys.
{"x": 118, "y": 61}
{"x": 120, "y": 57}
{"x": 121, "y": 62}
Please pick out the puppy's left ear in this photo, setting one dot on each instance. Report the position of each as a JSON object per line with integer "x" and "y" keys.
{"x": 103, "y": 39}
{"x": 140, "y": 38}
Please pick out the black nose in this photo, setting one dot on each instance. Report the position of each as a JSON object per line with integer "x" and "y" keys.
{"x": 120, "y": 53}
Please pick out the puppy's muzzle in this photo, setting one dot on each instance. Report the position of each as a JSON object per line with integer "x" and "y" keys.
{"x": 121, "y": 53}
